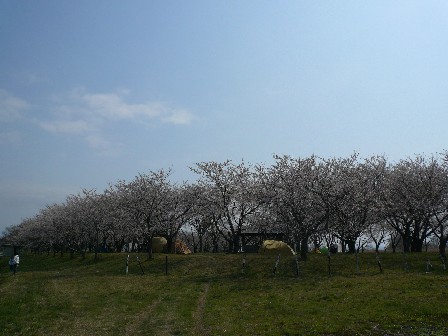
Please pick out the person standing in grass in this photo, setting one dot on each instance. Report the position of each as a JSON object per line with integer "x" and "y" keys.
{"x": 16, "y": 260}
{"x": 12, "y": 265}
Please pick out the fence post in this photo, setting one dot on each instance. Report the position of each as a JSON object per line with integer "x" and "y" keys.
{"x": 378, "y": 261}
{"x": 443, "y": 259}
{"x": 406, "y": 263}
{"x": 428, "y": 265}
{"x": 140, "y": 264}
{"x": 297, "y": 260}
{"x": 276, "y": 263}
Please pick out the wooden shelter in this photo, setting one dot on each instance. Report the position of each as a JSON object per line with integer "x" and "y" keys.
{"x": 250, "y": 242}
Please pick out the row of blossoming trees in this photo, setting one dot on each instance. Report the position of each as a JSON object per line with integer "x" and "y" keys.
{"x": 312, "y": 201}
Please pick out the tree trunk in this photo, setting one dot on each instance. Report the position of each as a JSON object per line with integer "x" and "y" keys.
{"x": 417, "y": 244}
{"x": 304, "y": 249}
{"x": 357, "y": 261}
{"x": 394, "y": 241}
{"x": 236, "y": 244}
{"x": 377, "y": 247}
{"x": 215, "y": 245}
{"x": 442, "y": 246}
{"x": 201, "y": 243}
{"x": 171, "y": 244}
{"x": 150, "y": 247}
{"x": 351, "y": 246}
{"x": 97, "y": 243}
{"x": 406, "y": 244}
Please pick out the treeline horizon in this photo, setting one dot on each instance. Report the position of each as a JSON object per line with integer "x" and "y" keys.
{"x": 312, "y": 201}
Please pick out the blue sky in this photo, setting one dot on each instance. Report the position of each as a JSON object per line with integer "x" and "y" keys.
{"x": 92, "y": 92}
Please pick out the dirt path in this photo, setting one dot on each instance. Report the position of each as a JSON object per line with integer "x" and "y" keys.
{"x": 198, "y": 316}
{"x": 134, "y": 325}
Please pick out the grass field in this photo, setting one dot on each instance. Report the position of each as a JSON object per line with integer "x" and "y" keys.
{"x": 208, "y": 294}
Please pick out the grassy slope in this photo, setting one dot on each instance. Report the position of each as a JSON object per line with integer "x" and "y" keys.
{"x": 207, "y": 294}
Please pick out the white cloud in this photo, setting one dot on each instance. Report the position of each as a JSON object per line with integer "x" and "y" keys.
{"x": 11, "y": 106}
{"x": 112, "y": 106}
{"x": 85, "y": 114}
{"x": 97, "y": 108}
{"x": 179, "y": 117}
{"x": 88, "y": 114}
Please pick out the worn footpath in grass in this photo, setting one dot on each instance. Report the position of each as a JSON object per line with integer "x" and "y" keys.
{"x": 211, "y": 294}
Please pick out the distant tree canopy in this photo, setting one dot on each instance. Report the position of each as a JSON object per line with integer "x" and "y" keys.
{"x": 311, "y": 201}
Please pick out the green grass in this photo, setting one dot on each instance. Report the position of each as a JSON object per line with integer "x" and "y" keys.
{"x": 207, "y": 294}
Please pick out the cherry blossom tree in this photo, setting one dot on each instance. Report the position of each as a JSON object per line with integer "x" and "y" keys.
{"x": 176, "y": 210}
{"x": 435, "y": 177}
{"x": 289, "y": 183}
{"x": 141, "y": 199}
{"x": 234, "y": 193}
{"x": 358, "y": 200}
{"x": 326, "y": 188}
{"x": 32, "y": 233}
{"x": 378, "y": 233}
{"x": 62, "y": 234}
{"x": 409, "y": 199}
{"x": 337, "y": 199}
{"x": 205, "y": 219}
{"x": 118, "y": 224}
